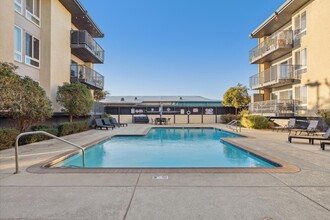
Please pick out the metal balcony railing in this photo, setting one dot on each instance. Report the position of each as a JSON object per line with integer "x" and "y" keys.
{"x": 81, "y": 41}
{"x": 281, "y": 39}
{"x": 86, "y": 75}
{"x": 275, "y": 76}
{"x": 281, "y": 106}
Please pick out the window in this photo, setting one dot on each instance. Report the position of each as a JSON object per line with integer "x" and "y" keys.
{"x": 31, "y": 50}
{"x": 301, "y": 94}
{"x": 300, "y": 22}
{"x": 286, "y": 94}
{"x": 18, "y": 43}
{"x": 301, "y": 60}
{"x": 33, "y": 11}
{"x": 18, "y": 6}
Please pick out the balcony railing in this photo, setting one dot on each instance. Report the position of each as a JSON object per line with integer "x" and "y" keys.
{"x": 86, "y": 75}
{"x": 273, "y": 47}
{"x": 275, "y": 76}
{"x": 85, "y": 47}
{"x": 277, "y": 107}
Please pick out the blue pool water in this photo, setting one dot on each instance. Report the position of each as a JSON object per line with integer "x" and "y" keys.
{"x": 168, "y": 148}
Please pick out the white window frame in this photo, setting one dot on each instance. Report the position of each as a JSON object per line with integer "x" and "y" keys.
{"x": 300, "y": 56}
{"x": 32, "y": 58}
{"x": 20, "y": 5}
{"x": 299, "y": 28}
{"x": 19, "y": 52}
{"x": 277, "y": 93}
{"x": 29, "y": 14}
{"x": 300, "y": 89}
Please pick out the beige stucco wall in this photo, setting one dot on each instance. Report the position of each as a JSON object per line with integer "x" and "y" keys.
{"x": 56, "y": 51}
{"x": 318, "y": 53}
{"x": 7, "y": 30}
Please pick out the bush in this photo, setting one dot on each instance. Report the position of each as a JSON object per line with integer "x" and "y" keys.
{"x": 256, "y": 121}
{"x": 32, "y": 138}
{"x": 7, "y": 137}
{"x": 71, "y": 128}
{"x": 105, "y": 115}
{"x": 229, "y": 117}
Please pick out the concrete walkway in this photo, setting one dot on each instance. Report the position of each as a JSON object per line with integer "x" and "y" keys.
{"x": 301, "y": 195}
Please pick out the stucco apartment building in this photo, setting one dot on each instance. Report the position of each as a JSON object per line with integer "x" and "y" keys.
{"x": 293, "y": 54}
{"x": 51, "y": 41}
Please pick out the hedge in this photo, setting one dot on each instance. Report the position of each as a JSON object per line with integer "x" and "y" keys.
{"x": 71, "y": 128}
{"x": 7, "y": 137}
{"x": 32, "y": 138}
{"x": 229, "y": 117}
{"x": 256, "y": 121}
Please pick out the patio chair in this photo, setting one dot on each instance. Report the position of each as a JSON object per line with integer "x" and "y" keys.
{"x": 291, "y": 125}
{"x": 99, "y": 124}
{"x": 114, "y": 121}
{"x": 323, "y": 143}
{"x": 311, "y": 139}
{"x": 106, "y": 121}
{"x": 309, "y": 130}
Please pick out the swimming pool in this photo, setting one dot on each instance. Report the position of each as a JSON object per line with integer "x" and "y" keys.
{"x": 168, "y": 148}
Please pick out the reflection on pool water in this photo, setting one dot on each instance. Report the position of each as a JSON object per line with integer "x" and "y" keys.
{"x": 168, "y": 148}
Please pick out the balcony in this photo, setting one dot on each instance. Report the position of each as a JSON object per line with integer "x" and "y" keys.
{"x": 85, "y": 47}
{"x": 281, "y": 107}
{"x": 86, "y": 75}
{"x": 273, "y": 47}
{"x": 275, "y": 76}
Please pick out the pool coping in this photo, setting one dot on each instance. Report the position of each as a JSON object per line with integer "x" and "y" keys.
{"x": 284, "y": 167}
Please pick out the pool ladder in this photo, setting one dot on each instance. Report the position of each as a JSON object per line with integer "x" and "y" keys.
{"x": 235, "y": 125}
{"x": 49, "y": 135}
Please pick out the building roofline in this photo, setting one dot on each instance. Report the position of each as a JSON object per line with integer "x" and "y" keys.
{"x": 278, "y": 18}
{"x": 78, "y": 14}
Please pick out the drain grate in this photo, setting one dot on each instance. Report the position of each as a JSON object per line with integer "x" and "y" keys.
{"x": 160, "y": 177}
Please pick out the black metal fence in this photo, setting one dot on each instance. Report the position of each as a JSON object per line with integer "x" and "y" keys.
{"x": 170, "y": 111}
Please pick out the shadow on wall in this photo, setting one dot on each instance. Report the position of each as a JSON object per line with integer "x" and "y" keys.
{"x": 322, "y": 103}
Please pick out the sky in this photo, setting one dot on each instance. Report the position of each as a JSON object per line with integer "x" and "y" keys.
{"x": 177, "y": 47}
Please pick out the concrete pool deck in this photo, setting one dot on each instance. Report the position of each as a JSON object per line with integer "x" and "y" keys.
{"x": 300, "y": 195}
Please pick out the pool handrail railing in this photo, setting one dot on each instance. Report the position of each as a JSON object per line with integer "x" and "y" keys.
{"x": 49, "y": 135}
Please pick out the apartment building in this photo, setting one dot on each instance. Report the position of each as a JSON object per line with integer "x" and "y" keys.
{"x": 51, "y": 41}
{"x": 292, "y": 55}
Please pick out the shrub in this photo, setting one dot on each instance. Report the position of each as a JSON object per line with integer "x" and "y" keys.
{"x": 229, "y": 117}
{"x": 7, "y": 137}
{"x": 71, "y": 128}
{"x": 32, "y": 138}
{"x": 255, "y": 121}
{"x": 105, "y": 115}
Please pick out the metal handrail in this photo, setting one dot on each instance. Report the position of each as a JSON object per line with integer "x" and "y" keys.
{"x": 49, "y": 135}
{"x": 238, "y": 127}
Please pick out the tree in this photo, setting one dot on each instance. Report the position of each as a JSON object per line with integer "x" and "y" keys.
{"x": 236, "y": 96}
{"x": 100, "y": 94}
{"x": 76, "y": 99}
{"x": 22, "y": 99}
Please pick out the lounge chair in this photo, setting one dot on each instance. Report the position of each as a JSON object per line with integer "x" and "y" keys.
{"x": 309, "y": 130}
{"x": 114, "y": 121}
{"x": 323, "y": 143}
{"x": 99, "y": 124}
{"x": 311, "y": 139}
{"x": 106, "y": 121}
{"x": 291, "y": 125}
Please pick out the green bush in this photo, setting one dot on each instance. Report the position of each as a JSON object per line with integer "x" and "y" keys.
{"x": 7, "y": 137}
{"x": 67, "y": 128}
{"x": 255, "y": 121}
{"x": 105, "y": 115}
{"x": 32, "y": 138}
{"x": 229, "y": 117}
